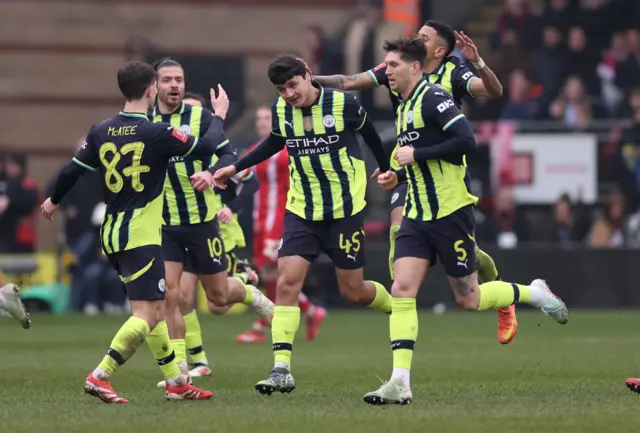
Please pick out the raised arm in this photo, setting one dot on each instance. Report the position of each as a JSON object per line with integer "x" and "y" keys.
{"x": 363, "y": 80}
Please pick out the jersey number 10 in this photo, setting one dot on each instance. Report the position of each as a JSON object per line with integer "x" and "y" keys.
{"x": 112, "y": 178}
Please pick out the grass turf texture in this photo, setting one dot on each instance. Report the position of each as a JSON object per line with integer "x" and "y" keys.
{"x": 550, "y": 378}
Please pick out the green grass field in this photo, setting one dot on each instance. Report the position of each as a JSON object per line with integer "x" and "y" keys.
{"x": 549, "y": 379}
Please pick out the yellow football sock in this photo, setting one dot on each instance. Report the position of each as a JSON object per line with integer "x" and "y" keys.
{"x": 180, "y": 349}
{"x": 500, "y": 294}
{"x": 403, "y": 327}
{"x": 382, "y": 301}
{"x": 249, "y": 297}
{"x": 393, "y": 232}
{"x": 487, "y": 270}
{"x": 193, "y": 339}
{"x": 243, "y": 277}
{"x": 160, "y": 345}
{"x": 125, "y": 343}
{"x": 283, "y": 330}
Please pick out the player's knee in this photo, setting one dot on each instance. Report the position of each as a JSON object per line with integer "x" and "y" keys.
{"x": 354, "y": 292}
{"x": 218, "y": 298}
{"x": 403, "y": 289}
{"x": 218, "y": 310}
{"x": 468, "y": 302}
{"x": 288, "y": 288}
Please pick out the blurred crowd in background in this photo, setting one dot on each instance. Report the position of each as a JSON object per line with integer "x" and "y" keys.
{"x": 566, "y": 65}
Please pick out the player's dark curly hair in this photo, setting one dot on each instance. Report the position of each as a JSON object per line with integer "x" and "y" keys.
{"x": 285, "y": 67}
{"x": 165, "y": 62}
{"x": 134, "y": 78}
{"x": 410, "y": 48}
{"x": 445, "y": 32}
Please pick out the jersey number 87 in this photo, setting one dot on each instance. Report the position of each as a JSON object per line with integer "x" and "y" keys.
{"x": 112, "y": 178}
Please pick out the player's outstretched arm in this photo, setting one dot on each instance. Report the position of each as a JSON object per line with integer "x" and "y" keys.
{"x": 488, "y": 85}
{"x": 266, "y": 149}
{"x": 360, "y": 81}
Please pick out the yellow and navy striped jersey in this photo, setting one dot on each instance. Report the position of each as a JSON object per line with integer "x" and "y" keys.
{"x": 132, "y": 154}
{"x": 184, "y": 205}
{"x": 437, "y": 187}
{"x": 453, "y": 76}
{"x": 327, "y": 172}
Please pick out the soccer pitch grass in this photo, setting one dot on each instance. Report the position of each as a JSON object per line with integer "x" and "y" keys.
{"x": 551, "y": 378}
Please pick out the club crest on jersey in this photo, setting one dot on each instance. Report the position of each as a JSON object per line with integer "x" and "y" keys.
{"x": 410, "y": 116}
{"x": 186, "y": 129}
{"x": 307, "y": 122}
{"x": 329, "y": 121}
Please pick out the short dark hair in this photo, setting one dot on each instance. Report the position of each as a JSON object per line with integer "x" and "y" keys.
{"x": 410, "y": 48}
{"x": 285, "y": 67}
{"x": 196, "y": 96}
{"x": 165, "y": 63}
{"x": 134, "y": 78}
{"x": 445, "y": 32}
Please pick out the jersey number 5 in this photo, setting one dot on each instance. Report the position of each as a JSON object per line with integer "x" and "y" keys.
{"x": 112, "y": 178}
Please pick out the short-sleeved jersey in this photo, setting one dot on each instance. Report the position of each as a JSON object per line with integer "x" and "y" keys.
{"x": 184, "y": 205}
{"x": 132, "y": 154}
{"x": 453, "y": 76}
{"x": 327, "y": 173}
{"x": 437, "y": 188}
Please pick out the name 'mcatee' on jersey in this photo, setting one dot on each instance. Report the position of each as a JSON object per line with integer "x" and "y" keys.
{"x": 184, "y": 205}
{"x": 437, "y": 187}
{"x": 132, "y": 154}
{"x": 327, "y": 173}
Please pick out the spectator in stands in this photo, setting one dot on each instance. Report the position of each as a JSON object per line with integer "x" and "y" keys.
{"x": 511, "y": 227}
{"x": 566, "y": 225}
{"x": 19, "y": 197}
{"x": 510, "y": 56}
{"x": 558, "y": 14}
{"x": 628, "y": 71}
{"x": 597, "y": 19}
{"x": 572, "y": 106}
{"x": 517, "y": 17}
{"x": 324, "y": 53}
{"x": 550, "y": 61}
{"x": 612, "y": 96}
{"x": 606, "y": 231}
{"x": 523, "y": 101}
{"x": 582, "y": 60}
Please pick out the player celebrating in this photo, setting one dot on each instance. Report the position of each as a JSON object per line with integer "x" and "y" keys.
{"x": 132, "y": 155}
{"x": 11, "y": 303}
{"x": 191, "y": 229}
{"x": 268, "y": 224}
{"x": 449, "y": 73}
{"x": 438, "y": 218}
{"x": 325, "y": 201}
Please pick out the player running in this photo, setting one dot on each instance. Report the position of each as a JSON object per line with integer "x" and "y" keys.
{"x": 132, "y": 155}
{"x": 450, "y": 74}
{"x": 191, "y": 230}
{"x": 268, "y": 225}
{"x": 438, "y": 216}
{"x": 11, "y": 304}
{"x": 325, "y": 201}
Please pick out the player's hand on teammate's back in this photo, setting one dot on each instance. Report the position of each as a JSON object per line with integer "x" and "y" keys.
{"x": 201, "y": 180}
{"x": 404, "y": 156}
{"x": 222, "y": 175}
{"x": 220, "y": 104}
{"x": 48, "y": 209}
{"x": 225, "y": 215}
{"x": 388, "y": 180}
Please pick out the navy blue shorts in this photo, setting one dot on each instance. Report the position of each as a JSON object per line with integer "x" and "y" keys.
{"x": 141, "y": 271}
{"x": 199, "y": 245}
{"x": 232, "y": 261}
{"x": 341, "y": 239}
{"x": 398, "y": 196}
{"x": 449, "y": 238}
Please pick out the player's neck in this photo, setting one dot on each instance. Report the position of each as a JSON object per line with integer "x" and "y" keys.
{"x": 431, "y": 65}
{"x": 311, "y": 97}
{"x": 139, "y": 106}
{"x": 412, "y": 85}
{"x": 166, "y": 109}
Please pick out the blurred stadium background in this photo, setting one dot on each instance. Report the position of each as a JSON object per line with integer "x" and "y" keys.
{"x": 557, "y": 166}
